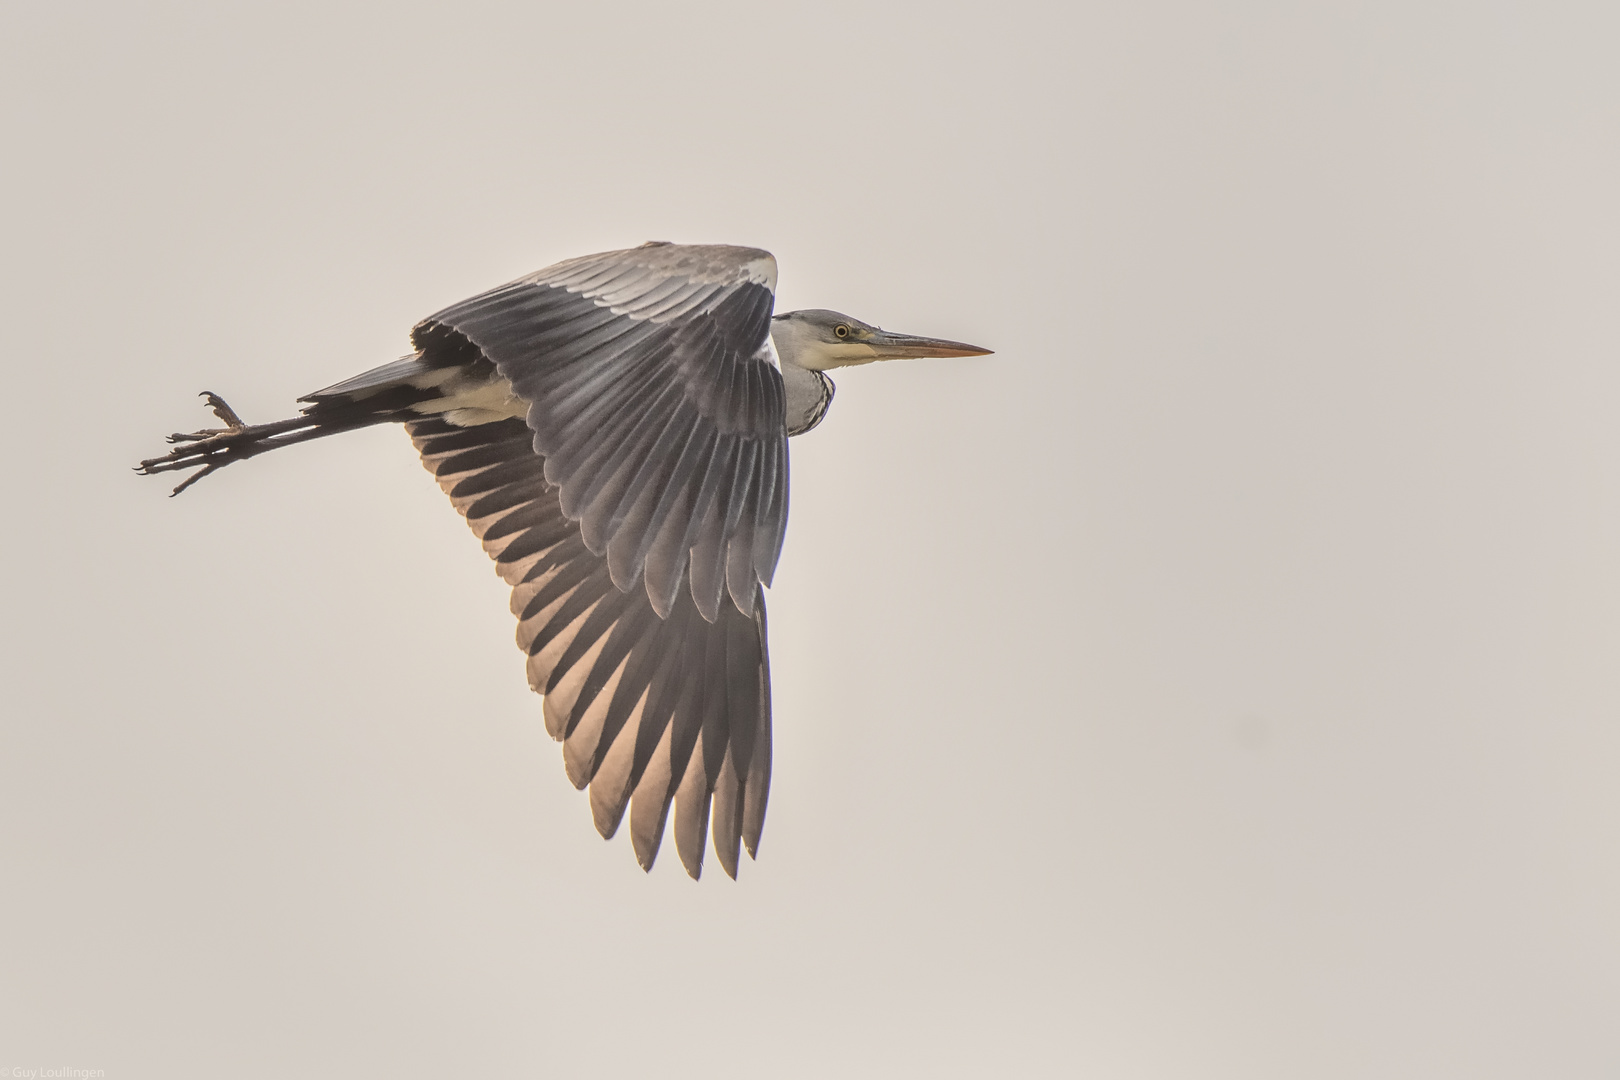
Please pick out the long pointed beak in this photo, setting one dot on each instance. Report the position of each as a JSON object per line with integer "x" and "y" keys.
{"x": 889, "y": 346}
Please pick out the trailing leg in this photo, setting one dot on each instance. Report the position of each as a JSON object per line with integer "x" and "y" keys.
{"x": 215, "y": 448}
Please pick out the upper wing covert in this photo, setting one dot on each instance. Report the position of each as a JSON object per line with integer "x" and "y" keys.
{"x": 655, "y": 400}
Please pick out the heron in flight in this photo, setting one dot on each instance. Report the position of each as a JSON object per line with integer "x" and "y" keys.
{"x": 614, "y": 429}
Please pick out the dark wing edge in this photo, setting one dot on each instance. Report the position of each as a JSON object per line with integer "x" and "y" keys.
{"x": 653, "y": 398}
{"x": 651, "y": 710}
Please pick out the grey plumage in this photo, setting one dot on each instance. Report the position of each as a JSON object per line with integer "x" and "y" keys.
{"x": 614, "y": 428}
{"x": 595, "y": 649}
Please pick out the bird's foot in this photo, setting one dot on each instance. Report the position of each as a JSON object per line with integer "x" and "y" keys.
{"x": 222, "y": 410}
{"x": 211, "y": 448}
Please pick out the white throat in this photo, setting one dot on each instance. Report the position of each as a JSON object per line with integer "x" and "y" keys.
{"x": 798, "y": 346}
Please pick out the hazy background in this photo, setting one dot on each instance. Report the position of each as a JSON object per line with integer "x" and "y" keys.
{"x": 1220, "y": 681}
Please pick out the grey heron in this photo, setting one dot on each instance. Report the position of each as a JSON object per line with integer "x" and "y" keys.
{"x": 614, "y": 429}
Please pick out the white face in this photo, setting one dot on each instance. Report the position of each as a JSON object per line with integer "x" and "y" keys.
{"x": 822, "y": 340}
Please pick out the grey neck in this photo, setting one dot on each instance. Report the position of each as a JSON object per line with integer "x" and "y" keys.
{"x": 808, "y": 395}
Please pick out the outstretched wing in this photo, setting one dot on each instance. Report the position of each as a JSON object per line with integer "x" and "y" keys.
{"x": 650, "y": 708}
{"x": 637, "y": 510}
{"x": 654, "y": 396}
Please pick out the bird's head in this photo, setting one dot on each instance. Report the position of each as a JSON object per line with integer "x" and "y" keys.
{"x": 822, "y": 340}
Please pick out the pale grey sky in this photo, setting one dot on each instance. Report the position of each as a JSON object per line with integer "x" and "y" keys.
{"x": 1220, "y": 681}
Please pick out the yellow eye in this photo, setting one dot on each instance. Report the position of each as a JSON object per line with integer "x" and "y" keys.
{"x": 841, "y": 330}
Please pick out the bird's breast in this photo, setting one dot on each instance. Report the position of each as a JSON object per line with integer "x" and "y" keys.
{"x": 808, "y": 394}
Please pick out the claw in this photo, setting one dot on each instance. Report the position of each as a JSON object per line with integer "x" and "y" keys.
{"x": 222, "y": 410}
{"x": 197, "y": 436}
{"x": 194, "y": 477}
